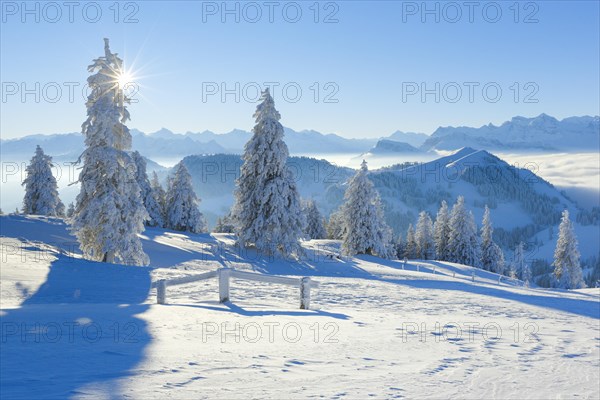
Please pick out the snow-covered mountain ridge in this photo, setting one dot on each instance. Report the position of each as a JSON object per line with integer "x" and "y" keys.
{"x": 542, "y": 133}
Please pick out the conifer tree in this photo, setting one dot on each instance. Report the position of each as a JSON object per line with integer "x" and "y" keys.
{"x": 154, "y": 209}
{"x": 441, "y": 232}
{"x": 182, "y": 204}
{"x": 567, "y": 268}
{"x": 109, "y": 213}
{"x": 335, "y": 226}
{"x": 267, "y": 212}
{"x": 159, "y": 195}
{"x": 492, "y": 258}
{"x": 424, "y": 236}
{"x": 462, "y": 239}
{"x": 41, "y": 189}
{"x": 365, "y": 229}
{"x": 410, "y": 250}
{"x": 314, "y": 221}
{"x": 224, "y": 225}
{"x": 70, "y": 210}
{"x": 520, "y": 265}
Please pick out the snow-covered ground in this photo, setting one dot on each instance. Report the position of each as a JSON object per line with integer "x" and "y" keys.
{"x": 79, "y": 329}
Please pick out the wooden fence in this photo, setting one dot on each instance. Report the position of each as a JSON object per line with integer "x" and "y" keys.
{"x": 225, "y": 274}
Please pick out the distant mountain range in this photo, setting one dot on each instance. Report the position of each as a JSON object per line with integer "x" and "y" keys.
{"x": 541, "y": 133}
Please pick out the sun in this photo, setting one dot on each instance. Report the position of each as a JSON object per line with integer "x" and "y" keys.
{"x": 125, "y": 78}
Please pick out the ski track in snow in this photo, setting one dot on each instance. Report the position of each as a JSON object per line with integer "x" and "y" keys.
{"x": 371, "y": 332}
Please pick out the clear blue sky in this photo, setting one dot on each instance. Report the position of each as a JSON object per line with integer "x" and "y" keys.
{"x": 371, "y": 56}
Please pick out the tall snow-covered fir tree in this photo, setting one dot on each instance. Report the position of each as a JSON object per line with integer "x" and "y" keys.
{"x": 182, "y": 204}
{"x": 567, "y": 268}
{"x": 109, "y": 213}
{"x": 41, "y": 189}
{"x": 441, "y": 230}
{"x": 314, "y": 221}
{"x": 365, "y": 229}
{"x": 492, "y": 258}
{"x": 410, "y": 248}
{"x": 154, "y": 209}
{"x": 462, "y": 238}
{"x": 267, "y": 211}
{"x": 424, "y": 236}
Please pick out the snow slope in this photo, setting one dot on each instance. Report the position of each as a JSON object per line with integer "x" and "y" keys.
{"x": 78, "y": 329}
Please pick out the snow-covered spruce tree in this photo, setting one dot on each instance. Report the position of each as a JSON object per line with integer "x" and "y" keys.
{"x": 335, "y": 226}
{"x": 441, "y": 230}
{"x": 70, "y": 210}
{"x": 410, "y": 248}
{"x": 267, "y": 212}
{"x": 159, "y": 194}
{"x": 109, "y": 213}
{"x": 365, "y": 229}
{"x": 314, "y": 228}
{"x": 400, "y": 247}
{"x": 498, "y": 255}
{"x": 182, "y": 204}
{"x": 490, "y": 251}
{"x": 41, "y": 190}
{"x": 224, "y": 225}
{"x": 424, "y": 236}
{"x": 462, "y": 237}
{"x": 60, "y": 209}
{"x": 567, "y": 269}
{"x": 520, "y": 265}
{"x": 154, "y": 209}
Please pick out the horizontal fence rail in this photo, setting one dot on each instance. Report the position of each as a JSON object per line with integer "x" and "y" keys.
{"x": 224, "y": 275}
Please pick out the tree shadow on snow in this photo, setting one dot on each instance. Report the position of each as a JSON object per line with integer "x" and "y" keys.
{"x": 77, "y": 334}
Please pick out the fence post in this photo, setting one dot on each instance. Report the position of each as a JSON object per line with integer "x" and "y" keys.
{"x": 472, "y": 276}
{"x": 224, "y": 285}
{"x": 499, "y": 277}
{"x": 305, "y": 293}
{"x": 161, "y": 292}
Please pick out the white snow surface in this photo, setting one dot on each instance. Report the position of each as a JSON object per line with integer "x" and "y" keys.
{"x": 376, "y": 325}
